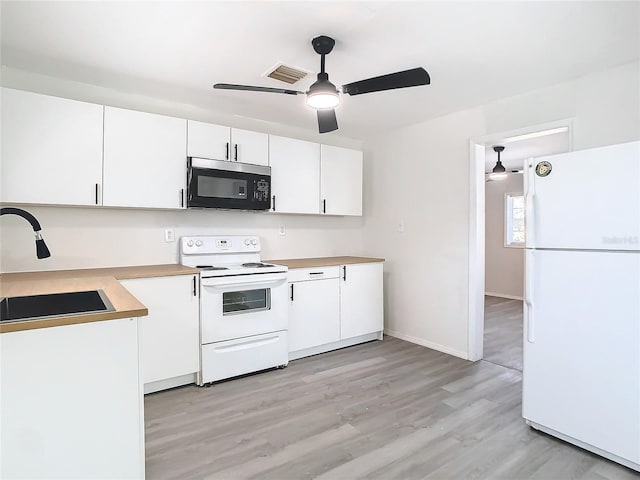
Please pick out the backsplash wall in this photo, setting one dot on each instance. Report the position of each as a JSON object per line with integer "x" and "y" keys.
{"x": 108, "y": 237}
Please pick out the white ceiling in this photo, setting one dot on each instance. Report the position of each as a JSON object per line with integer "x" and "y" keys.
{"x": 516, "y": 152}
{"x": 475, "y": 52}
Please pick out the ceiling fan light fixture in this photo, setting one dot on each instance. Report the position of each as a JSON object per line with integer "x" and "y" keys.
{"x": 322, "y": 100}
{"x": 498, "y": 176}
{"x": 323, "y": 94}
{"x": 498, "y": 172}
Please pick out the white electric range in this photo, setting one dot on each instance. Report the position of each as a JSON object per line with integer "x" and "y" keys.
{"x": 243, "y": 306}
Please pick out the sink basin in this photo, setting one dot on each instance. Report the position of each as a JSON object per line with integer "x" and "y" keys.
{"x": 35, "y": 307}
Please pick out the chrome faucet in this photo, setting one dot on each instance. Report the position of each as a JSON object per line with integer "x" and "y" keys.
{"x": 41, "y": 248}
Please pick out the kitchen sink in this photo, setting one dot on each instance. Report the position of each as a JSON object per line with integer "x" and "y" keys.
{"x": 35, "y": 307}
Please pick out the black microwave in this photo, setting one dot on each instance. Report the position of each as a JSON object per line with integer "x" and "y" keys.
{"x": 224, "y": 184}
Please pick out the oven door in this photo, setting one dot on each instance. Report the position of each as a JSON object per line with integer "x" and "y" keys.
{"x": 220, "y": 184}
{"x": 243, "y": 305}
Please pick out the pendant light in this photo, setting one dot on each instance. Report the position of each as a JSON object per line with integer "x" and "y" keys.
{"x": 498, "y": 172}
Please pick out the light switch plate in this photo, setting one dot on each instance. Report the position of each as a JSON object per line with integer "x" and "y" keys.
{"x": 282, "y": 230}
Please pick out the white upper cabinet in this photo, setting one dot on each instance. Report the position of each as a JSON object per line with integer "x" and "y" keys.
{"x": 249, "y": 147}
{"x": 51, "y": 150}
{"x": 217, "y": 142}
{"x": 206, "y": 140}
{"x": 340, "y": 181}
{"x": 144, "y": 159}
{"x": 295, "y": 175}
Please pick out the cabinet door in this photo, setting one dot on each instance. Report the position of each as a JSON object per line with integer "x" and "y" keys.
{"x": 295, "y": 175}
{"x": 314, "y": 313}
{"x": 145, "y": 162}
{"x": 360, "y": 299}
{"x": 207, "y": 140}
{"x": 250, "y": 147}
{"x": 170, "y": 334}
{"x": 72, "y": 404}
{"x": 51, "y": 149}
{"x": 341, "y": 181}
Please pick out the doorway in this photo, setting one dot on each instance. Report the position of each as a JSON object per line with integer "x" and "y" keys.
{"x": 496, "y": 241}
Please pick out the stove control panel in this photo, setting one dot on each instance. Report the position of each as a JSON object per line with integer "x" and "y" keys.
{"x": 198, "y": 245}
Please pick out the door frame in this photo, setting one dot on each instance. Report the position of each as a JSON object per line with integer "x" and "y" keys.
{"x": 477, "y": 225}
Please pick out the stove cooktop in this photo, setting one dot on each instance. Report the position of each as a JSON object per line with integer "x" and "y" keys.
{"x": 220, "y": 256}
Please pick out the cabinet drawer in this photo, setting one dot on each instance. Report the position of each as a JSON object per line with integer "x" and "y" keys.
{"x": 316, "y": 273}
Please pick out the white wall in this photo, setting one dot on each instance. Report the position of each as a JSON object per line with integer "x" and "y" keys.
{"x": 417, "y": 175}
{"x": 420, "y": 174}
{"x": 504, "y": 266}
{"x": 103, "y": 237}
{"x": 95, "y": 237}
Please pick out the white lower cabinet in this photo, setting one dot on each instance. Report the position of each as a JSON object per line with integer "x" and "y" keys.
{"x": 334, "y": 307}
{"x": 314, "y": 310}
{"x": 361, "y": 299}
{"x": 72, "y": 402}
{"x": 170, "y": 334}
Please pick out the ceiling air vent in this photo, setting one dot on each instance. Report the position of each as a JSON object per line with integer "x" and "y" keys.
{"x": 287, "y": 74}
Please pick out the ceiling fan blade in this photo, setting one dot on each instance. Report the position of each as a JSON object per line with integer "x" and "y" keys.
{"x": 327, "y": 121}
{"x": 407, "y": 78}
{"x": 250, "y": 88}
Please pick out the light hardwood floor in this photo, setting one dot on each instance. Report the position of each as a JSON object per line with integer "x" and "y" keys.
{"x": 503, "y": 332}
{"x": 383, "y": 410}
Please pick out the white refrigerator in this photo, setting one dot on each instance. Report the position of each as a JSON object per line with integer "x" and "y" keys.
{"x": 581, "y": 375}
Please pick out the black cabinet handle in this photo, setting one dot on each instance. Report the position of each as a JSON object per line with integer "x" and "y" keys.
{"x": 291, "y": 292}
{"x": 195, "y": 292}
{"x": 316, "y": 273}
{"x": 273, "y": 203}
{"x": 226, "y": 156}
{"x": 181, "y": 197}
{"x": 97, "y": 187}
{"x": 235, "y": 155}
{"x": 344, "y": 273}
{"x": 324, "y": 205}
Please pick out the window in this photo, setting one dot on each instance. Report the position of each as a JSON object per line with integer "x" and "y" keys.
{"x": 513, "y": 220}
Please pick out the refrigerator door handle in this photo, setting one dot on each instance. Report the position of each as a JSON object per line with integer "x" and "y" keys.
{"x": 528, "y": 295}
{"x": 529, "y": 202}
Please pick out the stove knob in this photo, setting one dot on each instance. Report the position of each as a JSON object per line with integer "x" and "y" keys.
{"x": 190, "y": 243}
{"x": 247, "y": 242}
{"x": 198, "y": 243}
{"x": 254, "y": 242}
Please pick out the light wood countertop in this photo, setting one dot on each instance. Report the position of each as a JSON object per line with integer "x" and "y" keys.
{"x": 62, "y": 281}
{"x": 323, "y": 261}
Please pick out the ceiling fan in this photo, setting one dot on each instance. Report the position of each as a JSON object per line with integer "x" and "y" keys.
{"x": 324, "y": 96}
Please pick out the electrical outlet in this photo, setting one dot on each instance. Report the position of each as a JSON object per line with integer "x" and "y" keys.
{"x": 401, "y": 226}
{"x": 169, "y": 235}
{"x": 282, "y": 230}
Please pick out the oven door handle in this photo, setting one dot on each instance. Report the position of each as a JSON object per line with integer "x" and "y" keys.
{"x": 229, "y": 283}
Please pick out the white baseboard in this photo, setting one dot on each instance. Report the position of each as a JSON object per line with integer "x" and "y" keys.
{"x": 159, "y": 385}
{"x": 428, "y": 344}
{"x": 503, "y": 295}
{"x": 327, "y": 347}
